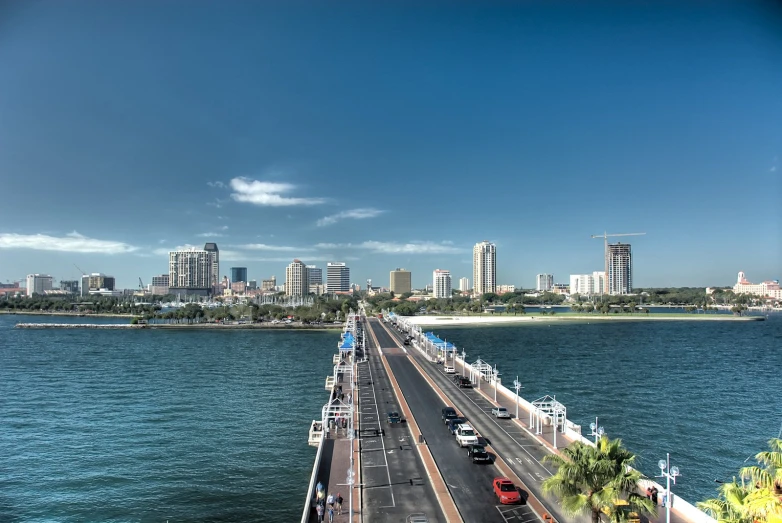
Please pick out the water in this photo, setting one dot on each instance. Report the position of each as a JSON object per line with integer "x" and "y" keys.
{"x": 157, "y": 425}
{"x": 707, "y": 392}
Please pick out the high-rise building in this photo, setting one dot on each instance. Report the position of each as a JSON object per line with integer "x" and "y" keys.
{"x": 269, "y": 285}
{"x": 620, "y": 268}
{"x": 214, "y": 272}
{"x": 401, "y": 281}
{"x": 296, "y": 283}
{"x": 314, "y": 274}
{"x": 587, "y": 284}
{"x": 252, "y": 285}
{"x": 464, "y": 284}
{"x": 484, "y": 268}
{"x": 238, "y": 274}
{"x": 92, "y": 283}
{"x": 160, "y": 285}
{"x": 191, "y": 271}
{"x": 544, "y": 282}
{"x": 338, "y": 277}
{"x": 441, "y": 283}
{"x": 38, "y": 283}
{"x": 70, "y": 286}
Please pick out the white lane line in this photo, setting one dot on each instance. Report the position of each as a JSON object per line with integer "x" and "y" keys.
{"x": 388, "y": 472}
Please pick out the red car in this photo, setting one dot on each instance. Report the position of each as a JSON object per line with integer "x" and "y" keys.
{"x": 506, "y": 491}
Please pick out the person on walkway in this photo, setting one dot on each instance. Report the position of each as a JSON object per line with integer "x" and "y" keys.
{"x": 319, "y": 510}
{"x": 330, "y": 501}
{"x": 331, "y": 514}
{"x": 338, "y": 503}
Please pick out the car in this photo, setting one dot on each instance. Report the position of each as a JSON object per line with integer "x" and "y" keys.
{"x": 464, "y": 383}
{"x": 466, "y": 435}
{"x": 448, "y": 368}
{"x": 453, "y": 423}
{"x": 456, "y": 378}
{"x": 478, "y": 454}
{"x": 394, "y": 417}
{"x": 407, "y": 341}
{"x": 500, "y": 412}
{"x": 506, "y": 491}
{"x": 449, "y": 413}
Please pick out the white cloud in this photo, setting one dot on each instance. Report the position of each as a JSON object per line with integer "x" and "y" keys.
{"x": 266, "y": 247}
{"x": 210, "y": 235}
{"x": 224, "y": 228}
{"x": 72, "y": 242}
{"x": 354, "y": 214}
{"x": 217, "y": 184}
{"x": 396, "y": 248}
{"x": 267, "y": 193}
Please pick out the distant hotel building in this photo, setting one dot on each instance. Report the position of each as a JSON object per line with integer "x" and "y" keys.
{"x": 192, "y": 272}
{"x": 401, "y": 281}
{"x": 159, "y": 285}
{"x": 296, "y": 283}
{"x": 544, "y": 282}
{"x": 38, "y": 283}
{"x": 238, "y": 274}
{"x": 442, "y": 283}
{"x": 768, "y": 288}
{"x": 587, "y": 284}
{"x": 502, "y": 289}
{"x": 338, "y": 277}
{"x": 464, "y": 284}
{"x": 96, "y": 282}
{"x": 620, "y": 268}
{"x": 484, "y": 268}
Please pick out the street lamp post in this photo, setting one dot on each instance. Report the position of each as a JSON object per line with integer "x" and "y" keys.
{"x": 517, "y": 386}
{"x": 495, "y": 376}
{"x": 464, "y": 355}
{"x": 672, "y": 474}
{"x": 597, "y": 430}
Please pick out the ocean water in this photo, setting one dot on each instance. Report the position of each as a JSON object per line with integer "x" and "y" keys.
{"x": 153, "y": 425}
{"x": 104, "y": 425}
{"x": 708, "y": 393}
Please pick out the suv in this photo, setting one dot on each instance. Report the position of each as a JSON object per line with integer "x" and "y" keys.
{"x": 465, "y": 435}
{"x": 452, "y": 424}
{"x": 449, "y": 413}
{"x": 500, "y": 412}
{"x": 478, "y": 454}
{"x": 464, "y": 382}
{"x": 394, "y": 417}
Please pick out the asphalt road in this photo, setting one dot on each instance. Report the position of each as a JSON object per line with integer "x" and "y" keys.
{"x": 469, "y": 483}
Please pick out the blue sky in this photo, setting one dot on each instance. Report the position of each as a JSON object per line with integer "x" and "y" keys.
{"x": 392, "y": 135}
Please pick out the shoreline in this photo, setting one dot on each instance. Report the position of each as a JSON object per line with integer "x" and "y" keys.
{"x": 505, "y": 320}
{"x": 74, "y": 314}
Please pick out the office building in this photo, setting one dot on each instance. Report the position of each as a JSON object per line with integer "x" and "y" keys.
{"x": 561, "y": 288}
{"x": 214, "y": 272}
{"x": 484, "y": 268}
{"x": 337, "y": 277}
{"x": 441, "y": 283}
{"x": 191, "y": 272}
{"x": 619, "y": 279}
{"x": 314, "y": 275}
{"x": 464, "y": 284}
{"x": 70, "y": 286}
{"x": 252, "y": 285}
{"x": 544, "y": 282}
{"x": 38, "y": 283}
{"x": 159, "y": 286}
{"x": 269, "y": 285}
{"x": 92, "y": 283}
{"x": 296, "y": 283}
{"x": 587, "y": 284}
{"x": 238, "y": 274}
{"x": 401, "y": 281}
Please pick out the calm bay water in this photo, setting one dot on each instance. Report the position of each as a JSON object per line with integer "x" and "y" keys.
{"x": 706, "y": 392}
{"x": 212, "y": 426}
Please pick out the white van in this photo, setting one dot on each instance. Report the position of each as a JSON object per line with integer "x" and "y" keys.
{"x": 465, "y": 435}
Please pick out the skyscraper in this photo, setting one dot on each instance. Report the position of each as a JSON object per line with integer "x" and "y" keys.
{"x": 441, "y": 283}
{"x": 620, "y": 268}
{"x": 296, "y": 283}
{"x": 238, "y": 274}
{"x": 214, "y": 260}
{"x": 314, "y": 275}
{"x": 401, "y": 281}
{"x": 96, "y": 281}
{"x": 338, "y": 277}
{"x": 544, "y": 282}
{"x": 190, "y": 271}
{"x": 464, "y": 284}
{"x": 38, "y": 283}
{"x": 484, "y": 268}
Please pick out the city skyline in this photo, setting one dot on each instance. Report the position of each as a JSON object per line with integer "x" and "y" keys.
{"x": 287, "y": 148}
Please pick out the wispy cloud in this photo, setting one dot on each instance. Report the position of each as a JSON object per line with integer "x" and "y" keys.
{"x": 396, "y": 248}
{"x": 72, "y": 242}
{"x": 217, "y": 203}
{"x": 210, "y": 235}
{"x": 353, "y": 214}
{"x": 267, "y": 247}
{"x": 162, "y": 251}
{"x": 217, "y": 184}
{"x": 267, "y": 193}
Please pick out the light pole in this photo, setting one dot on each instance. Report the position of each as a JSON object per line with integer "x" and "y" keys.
{"x": 672, "y": 474}
{"x": 464, "y": 355}
{"x": 495, "y": 375}
{"x": 597, "y": 430}
{"x": 517, "y": 386}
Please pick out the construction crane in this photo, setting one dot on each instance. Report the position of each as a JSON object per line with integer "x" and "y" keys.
{"x": 140, "y": 284}
{"x": 78, "y": 269}
{"x": 605, "y": 237}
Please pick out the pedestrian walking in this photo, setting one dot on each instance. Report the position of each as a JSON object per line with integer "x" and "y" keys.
{"x": 331, "y": 514}
{"x": 330, "y": 501}
{"x": 319, "y": 510}
{"x": 338, "y": 503}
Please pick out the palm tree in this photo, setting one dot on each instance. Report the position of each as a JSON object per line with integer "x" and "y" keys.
{"x": 732, "y": 505}
{"x": 593, "y": 478}
{"x": 766, "y": 501}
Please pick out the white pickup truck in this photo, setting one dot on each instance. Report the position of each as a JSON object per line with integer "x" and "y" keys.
{"x": 465, "y": 435}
